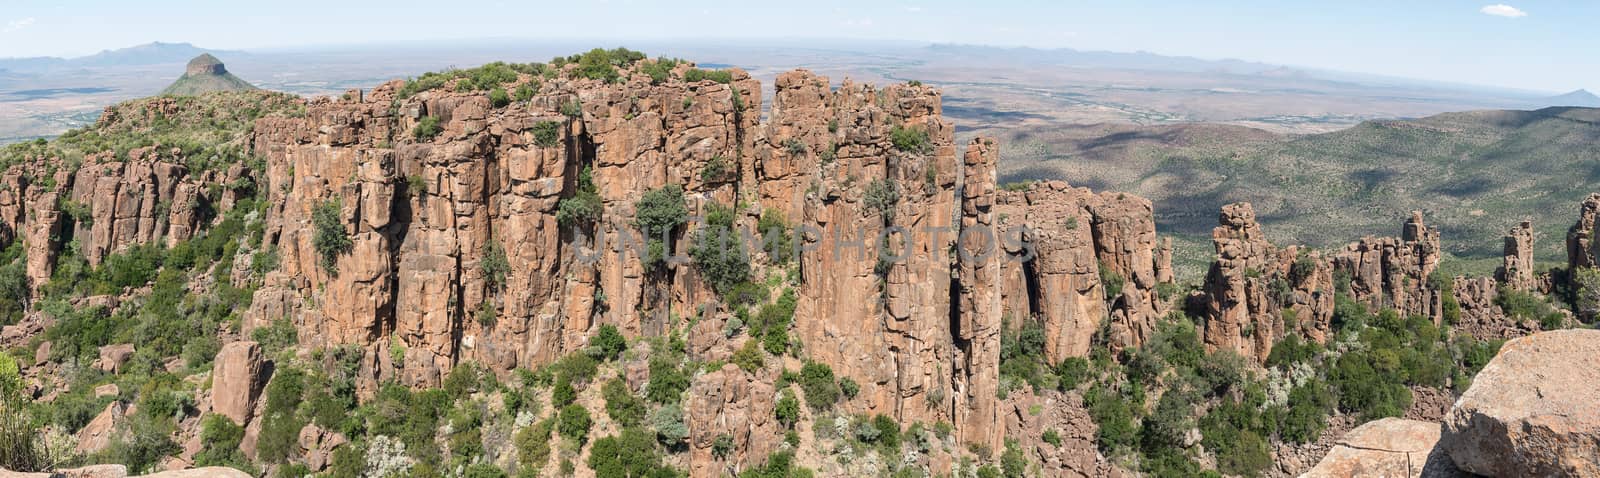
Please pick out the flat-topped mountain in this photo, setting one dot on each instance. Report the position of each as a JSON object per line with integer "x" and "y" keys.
{"x": 206, "y": 74}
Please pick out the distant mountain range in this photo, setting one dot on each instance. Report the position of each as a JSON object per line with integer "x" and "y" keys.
{"x": 147, "y": 54}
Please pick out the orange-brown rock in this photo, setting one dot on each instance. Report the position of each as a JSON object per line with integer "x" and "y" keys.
{"x": 1389, "y": 447}
{"x": 979, "y": 299}
{"x": 1517, "y": 270}
{"x": 236, "y": 381}
{"x": 98, "y": 434}
{"x": 1531, "y": 411}
{"x": 730, "y": 402}
{"x": 1255, "y": 293}
{"x": 132, "y": 202}
{"x": 1394, "y": 272}
{"x": 1581, "y": 236}
{"x": 1057, "y": 240}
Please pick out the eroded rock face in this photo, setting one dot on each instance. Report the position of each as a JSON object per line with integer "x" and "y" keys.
{"x": 1256, "y": 293}
{"x": 1580, "y": 237}
{"x": 1517, "y": 270}
{"x": 97, "y": 435}
{"x": 979, "y": 298}
{"x": 730, "y": 402}
{"x": 1028, "y": 417}
{"x": 1390, "y": 447}
{"x": 1394, "y": 272}
{"x": 236, "y": 381}
{"x": 147, "y": 198}
{"x": 1058, "y": 240}
{"x": 1531, "y": 411}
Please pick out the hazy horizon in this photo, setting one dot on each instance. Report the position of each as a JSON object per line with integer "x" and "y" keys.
{"x": 1530, "y": 45}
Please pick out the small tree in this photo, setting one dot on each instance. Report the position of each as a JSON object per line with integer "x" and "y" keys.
{"x": 657, "y": 215}
{"x": 330, "y": 239}
{"x": 494, "y": 264}
{"x": 610, "y": 342}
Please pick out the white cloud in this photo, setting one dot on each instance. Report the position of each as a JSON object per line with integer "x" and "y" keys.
{"x": 15, "y": 25}
{"x": 1503, "y": 10}
{"x": 914, "y": 9}
{"x": 857, "y": 23}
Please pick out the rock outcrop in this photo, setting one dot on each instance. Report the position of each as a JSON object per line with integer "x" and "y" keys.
{"x": 236, "y": 381}
{"x": 1396, "y": 272}
{"x": 1517, "y": 270}
{"x": 1581, "y": 236}
{"x": 1255, "y": 293}
{"x": 1531, "y": 411}
{"x": 120, "y": 471}
{"x": 1390, "y": 447}
{"x": 1063, "y": 245}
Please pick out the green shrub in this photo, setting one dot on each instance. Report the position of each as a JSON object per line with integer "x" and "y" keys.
{"x": 667, "y": 381}
{"x": 816, "y": 380}
{"x": 610, "y": 342}
{"x": 427, "y": 128}
{"x": 280, "y": 428}
{"x": 276, "y": 337}
{"x": 1052, "y": 437}
{"x": 775, "y": 236}
{"x": 1072, "y": 371}
{"x": 716, "y": 170}
{"x": 220, "y": 443}
{"x": 1112, "y": 281}
{"x": 526, "y": 91}
{"x": 657, "y": 214}
{"x": 498, "y": 97}
{"x": 630, "y": 454}
{"x": 849, "y": 387}
{"x": 533, "y": 444}
{"x": 330, "y": 239}
{"x": 494, "y": 264}
{"x": 668, "y": 423}
{"x": 573, "y": 422}
{"x": 572, "y": 109}
{"x": 718, "y": 250}
{"x": 883, "y": 195}
{"x": 562, "y": 394}
{"x": 696, "y": 75}
{"x": 749, "y": 357}
{"x": 584, "y": 207}
{"x": 910, "y": 139}
{"x": 547, "y": 133}
{"x": 788, "y": 409}
{"x": 621, "y": 404}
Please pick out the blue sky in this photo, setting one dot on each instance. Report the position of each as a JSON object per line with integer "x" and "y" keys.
{"x": 1543, "y": 45}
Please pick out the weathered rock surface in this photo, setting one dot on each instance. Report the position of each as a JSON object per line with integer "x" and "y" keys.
{"x": 730, "y": 402}
{"x": 1395, "y": 272}
{"x": 1531, "y": 411}
{"x": 1581, "y": 236}
{"x": 1057, "y": 239}
{"x": 1517, "y": 270}
{"x": 236, "y": 380}
{"x": 97, "y": 435}
{"x": 1254, "y": 288}
{"x": 113, "y": 356}
{"x": 1389, "y": 447}
{"x": 1029, "y": 416}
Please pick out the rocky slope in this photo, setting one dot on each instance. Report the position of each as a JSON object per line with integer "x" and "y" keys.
{"x": 439, "y": 235}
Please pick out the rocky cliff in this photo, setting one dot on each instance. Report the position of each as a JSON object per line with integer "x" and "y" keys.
{"x": 508, "y": 218}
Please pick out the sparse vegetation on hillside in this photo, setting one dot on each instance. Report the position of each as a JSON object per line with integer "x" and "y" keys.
{"x": 1473, "y": 172}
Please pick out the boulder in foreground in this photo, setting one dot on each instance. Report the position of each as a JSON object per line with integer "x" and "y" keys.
{"x": 1534, "y": 410}
{"x": 1390, "y": 447}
